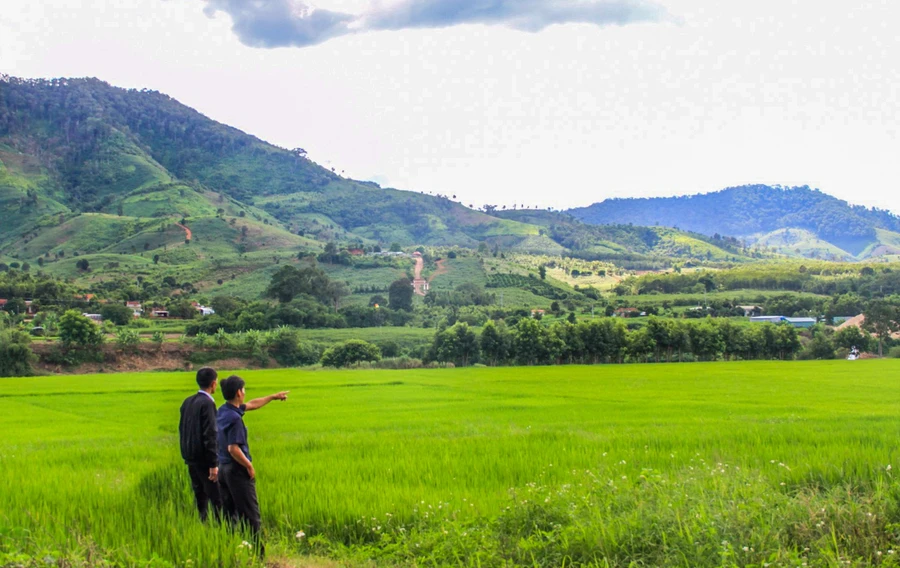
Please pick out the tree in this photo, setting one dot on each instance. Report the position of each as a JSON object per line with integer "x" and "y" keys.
{"x": 542, "y": 271}
{"x": 852, "y": 336}
{"x": 533, "y": 344}
{"x": 395, "y": 247}
{"x": 400, "y": 295}
{"x": 458, "y": 344}
{"x": 76, "y": 330}
{"x": 349, "y": 353}
{"x": 83, "y": 265}
{"x": 881, "y": 318}
{"x": 16, "y": 306}
{"x": 640, "y": 345}
{"x": 706, "y": 340}
{"x": 119, "y": 314}
{"x": 289, "y": 282}
{"x": 16, "y": 357}
{"x": 494, "y": 343}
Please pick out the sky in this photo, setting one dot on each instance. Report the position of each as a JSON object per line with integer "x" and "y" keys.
{"x": 557, "y": 103}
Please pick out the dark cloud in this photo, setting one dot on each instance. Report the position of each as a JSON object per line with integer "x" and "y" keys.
{"x": 279, "y": 23}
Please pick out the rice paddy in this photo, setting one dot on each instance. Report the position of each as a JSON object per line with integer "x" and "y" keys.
{"x": 708, "y": 464}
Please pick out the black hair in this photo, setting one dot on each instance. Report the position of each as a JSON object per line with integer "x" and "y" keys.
{"x": 231, "y": 386}
{"x": 206, "y": 376}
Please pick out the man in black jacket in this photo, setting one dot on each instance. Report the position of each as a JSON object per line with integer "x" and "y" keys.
{"x": 199, "y": 448}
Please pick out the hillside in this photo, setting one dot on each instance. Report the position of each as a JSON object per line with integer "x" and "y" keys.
{"x": 627, "y": 242}
{"x": 834, "y": 227}
{"x": 107, "y": 185}
{"x": 80, "y": 145}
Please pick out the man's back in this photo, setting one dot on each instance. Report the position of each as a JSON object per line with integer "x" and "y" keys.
{"x": 197, "y": 429}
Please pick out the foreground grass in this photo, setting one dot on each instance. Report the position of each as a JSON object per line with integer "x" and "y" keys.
{"x": 720, "y": 464}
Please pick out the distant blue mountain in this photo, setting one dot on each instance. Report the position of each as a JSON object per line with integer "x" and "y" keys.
{"x": 748, "y": 210}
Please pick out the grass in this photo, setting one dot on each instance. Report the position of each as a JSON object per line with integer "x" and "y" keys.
{"x": 716, "y": 464}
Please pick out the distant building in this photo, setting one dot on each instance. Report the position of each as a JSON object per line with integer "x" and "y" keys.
{"x": 94, "y": 317}
{"x": 159, "y": 314}
{"x": 795, "y": 322}
{"x": 136, "y": 308}
{"x": 627, "y": 312}
{"x": 535, "y": 313}
{"x": 204, "y": 311}
{"x": 751, "y": 311}
{"x": 356, "y": 252}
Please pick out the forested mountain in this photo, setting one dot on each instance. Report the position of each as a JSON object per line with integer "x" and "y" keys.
{"x": 752, "y": 212}
{"x": 89, "y": 168}
{"x": 76, "y": 146}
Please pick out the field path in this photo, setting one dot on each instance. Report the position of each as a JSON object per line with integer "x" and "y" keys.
{"x": 420, "y": 286}
{"x": 187, "y": 232}
{"x": 441, "y": 269}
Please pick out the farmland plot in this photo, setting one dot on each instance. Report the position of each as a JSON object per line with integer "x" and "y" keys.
{"x": 717, "y": 464}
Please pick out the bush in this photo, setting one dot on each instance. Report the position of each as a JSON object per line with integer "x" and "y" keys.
{"x": 79, "y": 331}
{"x": 350, "y": 352}
{"x": 894, "y": 352}
{"x": 398, "y": 363}
{"x": 127, "y": 340}
{"x": 287, "y": 349}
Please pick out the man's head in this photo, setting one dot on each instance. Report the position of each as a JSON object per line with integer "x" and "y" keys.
{"x": 233, "y": 389}
{"x": 206, "y": 379}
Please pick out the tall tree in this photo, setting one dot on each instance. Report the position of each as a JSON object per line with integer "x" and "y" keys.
{"x": 400, "y": 295}
{"x": 882, "y": 319}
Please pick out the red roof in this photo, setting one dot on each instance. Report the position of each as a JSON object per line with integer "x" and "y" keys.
{"x": 3, "y": 302}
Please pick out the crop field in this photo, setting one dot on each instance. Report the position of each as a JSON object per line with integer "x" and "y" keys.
{"x": 708, "y": 464}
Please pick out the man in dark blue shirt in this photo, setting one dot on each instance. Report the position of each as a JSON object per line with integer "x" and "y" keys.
{"x": 237, "y": 476}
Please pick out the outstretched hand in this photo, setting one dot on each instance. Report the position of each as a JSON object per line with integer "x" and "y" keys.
{"x": 280, "y": 395}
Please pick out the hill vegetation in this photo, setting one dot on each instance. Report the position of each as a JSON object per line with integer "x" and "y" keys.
{"x": 754, "y": 211}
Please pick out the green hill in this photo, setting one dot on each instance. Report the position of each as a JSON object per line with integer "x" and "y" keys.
{"x": 756, "y": 210}
{"x": 135, "y": 184}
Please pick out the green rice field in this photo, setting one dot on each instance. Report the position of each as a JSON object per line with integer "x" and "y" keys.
{"x": 707, "y": 464}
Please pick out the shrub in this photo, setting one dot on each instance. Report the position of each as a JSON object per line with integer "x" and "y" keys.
{"x": 287, "y": 349}
{"x": 894, "y": 352}
{"x": 79, "y": 331}
{"x": 350, "y": 352}
{"x": 127, "y": 339}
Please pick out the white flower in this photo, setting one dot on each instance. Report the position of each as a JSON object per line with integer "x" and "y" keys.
{"x": 300, "y": 534}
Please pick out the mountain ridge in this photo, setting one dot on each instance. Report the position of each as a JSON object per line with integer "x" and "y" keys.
{"x": 750, "y": 211}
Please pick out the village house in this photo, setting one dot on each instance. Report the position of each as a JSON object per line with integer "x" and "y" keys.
{"x": 627, "y": 312}
{"x": 136, "y": 308}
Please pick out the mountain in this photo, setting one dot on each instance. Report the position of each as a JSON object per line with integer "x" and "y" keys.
{"x": 104, "y": 184}
{"x": 76, "y": 146}
{"x": 833, "y": 228}
{"x": 626, "y": 242}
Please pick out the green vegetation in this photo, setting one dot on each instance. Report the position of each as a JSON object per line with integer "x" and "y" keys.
{"x": 669, "y": 465}
{"x": 796, "y": 220}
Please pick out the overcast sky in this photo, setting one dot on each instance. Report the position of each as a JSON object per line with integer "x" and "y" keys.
{"x": 551, "y": 103}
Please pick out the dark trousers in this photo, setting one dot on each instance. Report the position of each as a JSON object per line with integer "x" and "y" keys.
{"x": 206, "y": 492}
{"x": 239, "y": 500}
